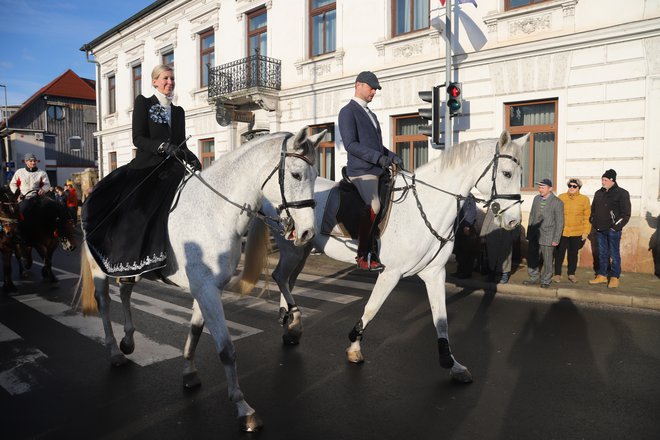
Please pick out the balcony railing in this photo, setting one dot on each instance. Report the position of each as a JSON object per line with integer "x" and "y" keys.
{"x": 254, "y": 71}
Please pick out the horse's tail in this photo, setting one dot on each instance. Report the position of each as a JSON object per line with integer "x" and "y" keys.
{"x": 84, "y": 293}
{"x": 257, "y": 247}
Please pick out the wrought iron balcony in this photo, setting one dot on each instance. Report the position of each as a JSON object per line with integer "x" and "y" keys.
{"x": 246, "y": 81}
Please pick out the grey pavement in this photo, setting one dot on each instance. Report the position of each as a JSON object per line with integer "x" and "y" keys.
{"x": 638, "y": 290}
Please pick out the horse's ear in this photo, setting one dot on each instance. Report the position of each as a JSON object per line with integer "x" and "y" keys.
{"x": 301, "y": 138}
{"x": 505, "y": 138}
{"x": 317, "y": 138}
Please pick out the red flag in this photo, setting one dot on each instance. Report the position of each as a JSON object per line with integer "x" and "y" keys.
{"x": 442, "y": 2}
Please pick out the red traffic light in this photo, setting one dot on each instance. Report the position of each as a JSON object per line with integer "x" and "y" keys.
{"x": 454, "y": 91}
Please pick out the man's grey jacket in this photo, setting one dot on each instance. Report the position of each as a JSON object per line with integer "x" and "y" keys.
{"x": 546, "y": 225}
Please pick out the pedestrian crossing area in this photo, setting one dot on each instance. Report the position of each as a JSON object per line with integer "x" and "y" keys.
{"x": 22, "y": 363}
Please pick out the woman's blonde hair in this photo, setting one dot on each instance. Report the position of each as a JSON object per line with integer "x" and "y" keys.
{"x": 160, "y": 69}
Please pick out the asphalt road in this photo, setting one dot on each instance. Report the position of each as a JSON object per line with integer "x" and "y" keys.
{"x": 542, "y": 369}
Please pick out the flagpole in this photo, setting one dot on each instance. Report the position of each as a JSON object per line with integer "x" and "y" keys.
{"x": 449, "y": 32}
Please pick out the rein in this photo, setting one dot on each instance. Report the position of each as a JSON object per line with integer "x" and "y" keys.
{"x": 494, "y": 195}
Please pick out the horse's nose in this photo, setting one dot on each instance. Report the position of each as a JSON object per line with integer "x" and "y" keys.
{"x": 306, "y": 236}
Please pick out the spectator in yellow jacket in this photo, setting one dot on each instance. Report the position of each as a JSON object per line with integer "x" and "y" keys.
{"x": 577, "y": 209}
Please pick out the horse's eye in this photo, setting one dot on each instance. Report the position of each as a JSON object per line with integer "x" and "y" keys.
{"x": 296, "y": 176}
{"x": 507, "y": 174}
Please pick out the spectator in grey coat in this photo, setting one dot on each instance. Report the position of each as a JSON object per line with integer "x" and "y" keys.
{"x": 544, "y": 229}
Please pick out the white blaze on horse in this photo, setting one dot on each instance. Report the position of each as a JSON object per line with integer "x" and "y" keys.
{"x": 418, "y": 239}
{"x": 205, "y": 233}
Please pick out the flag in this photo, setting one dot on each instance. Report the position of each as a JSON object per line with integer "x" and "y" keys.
{"x": 474, "y": 2}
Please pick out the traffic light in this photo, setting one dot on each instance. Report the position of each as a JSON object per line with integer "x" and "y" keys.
{"x": 433, "y": 114}
{"x": 454, "y": 99}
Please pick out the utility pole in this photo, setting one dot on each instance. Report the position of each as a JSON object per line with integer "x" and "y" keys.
{"x": 448, "y": 30}
{"x": 6, "y": 119}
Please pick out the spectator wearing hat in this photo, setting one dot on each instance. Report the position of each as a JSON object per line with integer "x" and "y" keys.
{"x": 29, "y": 182}
{"x": 367, "y": 160}
{"x": 544, "y": 229}
{"x": 610, "y": 212}
{"x": 577, "y": 210}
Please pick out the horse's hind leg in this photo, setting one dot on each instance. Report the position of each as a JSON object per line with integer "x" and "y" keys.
{"x": 386, "y": 281}
{"x": 47, "y": 256}
{"x": 127, "y": 344}
{"x": 8, "y": 286}
{"x": 434, "y": 278}
{"x": 190, "y": 376}
{"x": 292, "y": 261}
{"x": 102, "y": 296}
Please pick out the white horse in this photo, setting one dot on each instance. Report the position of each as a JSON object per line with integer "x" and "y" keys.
{"x": 205, "y": 234}
{"x": 418, "y": 239}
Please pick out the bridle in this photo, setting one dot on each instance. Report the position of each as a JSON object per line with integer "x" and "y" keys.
{"x": 494, "y": 206}
{"x": 287, "y": 223}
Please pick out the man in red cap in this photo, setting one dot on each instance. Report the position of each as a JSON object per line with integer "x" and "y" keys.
{"x": 610, "y": 212}
{"x": 367, "y": 160}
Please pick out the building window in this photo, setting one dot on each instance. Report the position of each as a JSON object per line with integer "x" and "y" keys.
{"x": 112, "y": 94}
{"x": 257, "y": 32}
{"x": 112, "y": 160}
{"x": 206, "y": 56}
{"x": 409, "y": 145}
{"x": 513, "y": 4}
{"x": 136, "y": 74}
{"x": 539, "y": 118}
{"x": 409, "y": 16}
{"x": 206, "y": 152}
{"x": 323, "y": 29}
{"x": 55, "y": 112}
{"x": 167, "y": 58}
{"x": 325, "y": 153}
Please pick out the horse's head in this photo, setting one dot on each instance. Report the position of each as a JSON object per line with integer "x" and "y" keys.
{"x": 9, "y": 214}
{"x": 296, "y": 177}
{"x": 503, "y": 178}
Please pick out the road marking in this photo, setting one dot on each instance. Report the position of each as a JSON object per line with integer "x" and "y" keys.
{"x": 17, "y": 372}
{"x": 178, "y": 314}
{"x": 322, "y": 295}
{"x": 149, "y": 351}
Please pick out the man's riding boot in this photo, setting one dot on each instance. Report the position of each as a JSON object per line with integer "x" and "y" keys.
{"x": 366, "y": 258}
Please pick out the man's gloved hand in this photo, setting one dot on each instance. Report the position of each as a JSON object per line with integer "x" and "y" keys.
{"x": 385, "y": 161}
{"x": 397, "y": 161}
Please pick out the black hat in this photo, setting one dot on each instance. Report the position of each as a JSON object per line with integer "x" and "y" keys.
{"x": 368, "y": 78}
{"x": 610, "y": 174}
{"x": 546, "y": 182}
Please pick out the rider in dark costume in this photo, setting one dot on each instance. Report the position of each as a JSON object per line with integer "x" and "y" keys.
{"x": 125, "y": 217}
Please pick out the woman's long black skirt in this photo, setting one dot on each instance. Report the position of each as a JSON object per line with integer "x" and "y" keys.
{"x": 124, "y": 219}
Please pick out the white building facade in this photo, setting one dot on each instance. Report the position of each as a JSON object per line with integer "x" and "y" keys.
{"x": 583, "y": 76}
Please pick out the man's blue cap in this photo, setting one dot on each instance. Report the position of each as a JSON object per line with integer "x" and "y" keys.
{"x": 368, "y": 78}
{"x": 546, "y": 182}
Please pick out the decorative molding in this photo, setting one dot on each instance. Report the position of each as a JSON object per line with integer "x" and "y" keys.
{"x": 529, "y": 25}
{"x": 408, "y": 50}
{"x": 319, "y": 69}
{"x": 168, "y": 36}
{"x": 407, "y": 45}
{"x": 315, "y": 62}
{"x": 204, "y": 20}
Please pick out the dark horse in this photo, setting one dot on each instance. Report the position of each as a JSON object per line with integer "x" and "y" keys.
{"x": 9, "y": 227}
{"x": 43, "y": 224}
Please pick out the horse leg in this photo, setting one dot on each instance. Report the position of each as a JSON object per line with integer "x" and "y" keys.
{"x": 292, "y": 261}
{"x": 434, "y": 278}
{"x": 24, "y": 257}
{"x": 214, "y": 318}
{"x": 190, "y": 376}
{"x": 385, "y": 283}
{"x": 102, "y": 296}
{"x": 127, "y": 344}
{"x": 46, "y": 254}
{"x": 8, "y": 286}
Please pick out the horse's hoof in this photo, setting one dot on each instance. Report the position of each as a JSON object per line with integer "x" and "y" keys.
{"x": 250, "y": 423}
{"x": 126, "y": 347}
{"x": 191, "y": 380}
{"x": 463, "y": 376}
{"x": 290, "y": 339}
{"x": 118, "y": 360}
{"x": 354, "y": 357}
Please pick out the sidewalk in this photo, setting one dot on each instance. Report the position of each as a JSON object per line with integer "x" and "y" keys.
{"x": 635, "y": 290}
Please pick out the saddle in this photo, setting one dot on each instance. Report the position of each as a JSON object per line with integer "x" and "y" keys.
{"x": 341, "y": 217}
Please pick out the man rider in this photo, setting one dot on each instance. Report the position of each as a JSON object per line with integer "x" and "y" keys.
{"x": 367, "y": 159}
{"x": 29, "y": 182}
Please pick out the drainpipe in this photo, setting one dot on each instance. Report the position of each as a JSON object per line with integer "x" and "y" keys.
{"x": 99, "y": 108}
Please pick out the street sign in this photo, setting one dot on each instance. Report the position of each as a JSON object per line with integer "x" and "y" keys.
{"x": 242, "y": 116}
